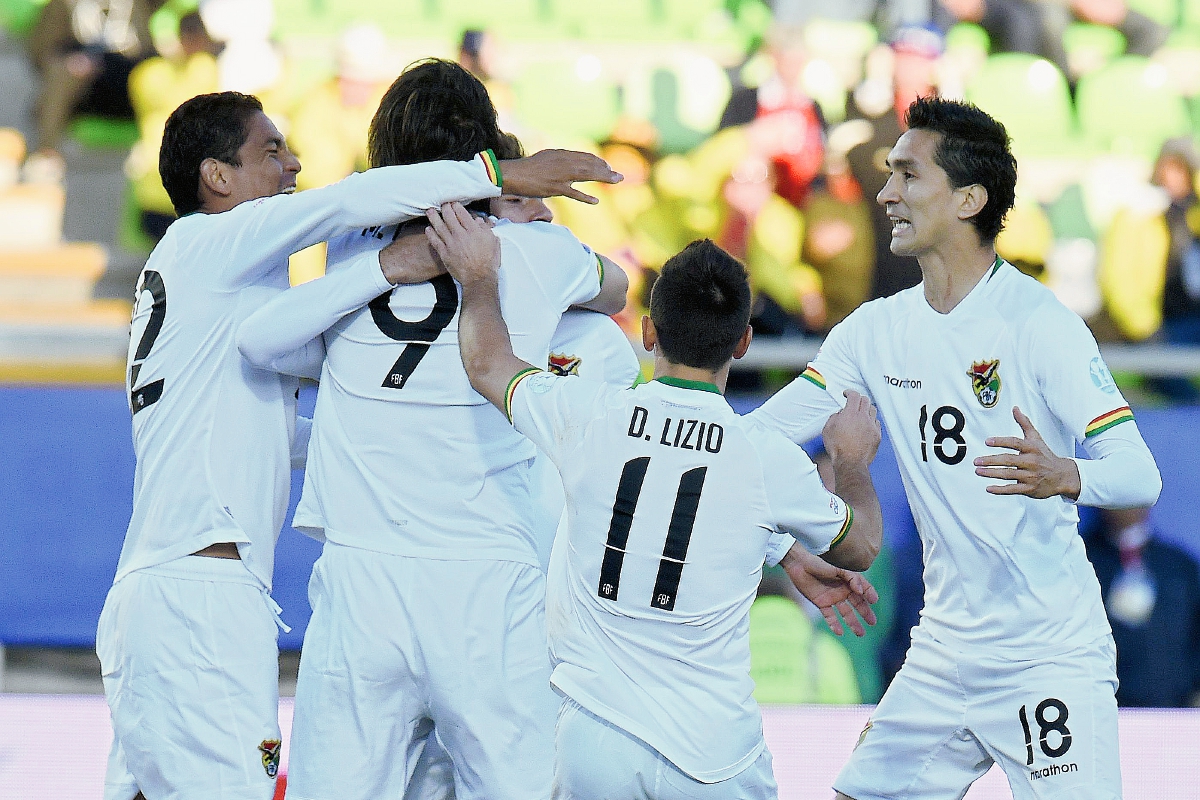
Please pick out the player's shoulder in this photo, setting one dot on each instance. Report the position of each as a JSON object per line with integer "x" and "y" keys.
{"x": 1030, "y": 307}
{"x": 545, "y": 234}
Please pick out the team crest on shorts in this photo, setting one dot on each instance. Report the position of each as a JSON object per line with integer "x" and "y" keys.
{"x": 270, "y": 756}
{"x": 563, "y": 365}
{"x": 985, "y": 382}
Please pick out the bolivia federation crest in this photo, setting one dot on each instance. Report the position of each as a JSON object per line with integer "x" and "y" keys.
{"x": 563, "y": 365}
{"x": 985, "y": 382}
{"x": 270, "y": 756}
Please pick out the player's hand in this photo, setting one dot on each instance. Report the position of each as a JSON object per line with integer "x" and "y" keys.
{"x": 464, "y": 243}
{"x": 1034, "y": 467}
{"x": 852, "y": 435}
{"x": 833, "y": 590}
{"x": 552, "y": 172}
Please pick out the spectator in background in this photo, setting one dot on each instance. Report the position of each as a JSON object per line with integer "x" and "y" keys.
{"x": 896, "y": 74}
{"x": 157, "y": 86}
{"x": 84, "y": 51}
{"x": 791, "y": 128}
{"x": 477, "y": 52}
{"x": 1150, "y": 269}
{"x": 1151, "y": 591}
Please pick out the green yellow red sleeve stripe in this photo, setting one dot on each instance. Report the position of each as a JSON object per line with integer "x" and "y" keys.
{"x": 492, "y": 165}
{"x": 845, "y": 527}
{"x": 599, "y": 268}
{"x": 512, "y": 387}
{"x": 1106, "y": 421}
{"x": 815, "y": 377}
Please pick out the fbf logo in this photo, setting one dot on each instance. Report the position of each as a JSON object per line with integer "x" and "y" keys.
{"x": 985, "y": 382}
{"x": 563, "y": 365}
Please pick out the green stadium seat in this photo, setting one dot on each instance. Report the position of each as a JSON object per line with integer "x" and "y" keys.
{"x": 569, "y": 98}
{"x": 17, "y": 16}
{"x": 103, "y": 132}
{"x": 1090, "y": 47}
{"x": 1165, "y": 12}
{"x": 968, "y": 36}
{"x": 1030, "y": 96}
{"x": 1130, "y": 108}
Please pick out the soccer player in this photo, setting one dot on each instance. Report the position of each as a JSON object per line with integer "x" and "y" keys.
{"x": 593, "y": 346}
{"x": 986, "y": 383}
{"x": 187, "y": 637}
{"x": 671, "y": 499}
{"x": 428, "y": 599}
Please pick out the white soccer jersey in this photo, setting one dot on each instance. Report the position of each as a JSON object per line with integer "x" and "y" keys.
{"x": 212, "y": 435}
{"x": 1000, "y": 571}
{"x": 405, "y": 456}
{"x": 671, "y": 499}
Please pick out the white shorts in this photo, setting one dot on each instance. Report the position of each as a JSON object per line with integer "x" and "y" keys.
{"x": 596, "y": 760}
{"x": 1050, "y": 723}
{"x": 189, "y": 655}
{"x": 397, "y": 646}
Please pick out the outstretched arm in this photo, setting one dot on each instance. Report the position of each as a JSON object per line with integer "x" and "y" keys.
{"x": 471, "y": 253}
{"x": 553, "y": 172}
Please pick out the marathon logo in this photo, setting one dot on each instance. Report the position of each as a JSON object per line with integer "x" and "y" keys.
{"x": 1052, "y": 770}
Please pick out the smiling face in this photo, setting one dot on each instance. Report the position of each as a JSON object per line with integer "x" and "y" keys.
{"x": 924, "y": 209}
{"x": 267, "y": 168}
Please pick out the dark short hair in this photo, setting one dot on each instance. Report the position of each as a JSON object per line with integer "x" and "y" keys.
{"x": 434, "y": 111}
{"x": 700, "y": 306}
{"x": 207, "y": 126}
{"x": 974, "y": 148}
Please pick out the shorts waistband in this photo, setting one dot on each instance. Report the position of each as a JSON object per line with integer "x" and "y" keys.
{"x": 203, "y": 568}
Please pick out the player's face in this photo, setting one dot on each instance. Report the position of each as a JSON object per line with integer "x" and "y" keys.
{"x": 920, "y": 202}
{"x": 515, "y": 208}
{"x": 268, "y": 167}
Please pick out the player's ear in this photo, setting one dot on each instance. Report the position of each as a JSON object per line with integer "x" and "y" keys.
{"x": 743, "y": 343}
{"x": 213, "y": 177}
{"x": 649, "y": 335}
{"x": 973, "y": 199}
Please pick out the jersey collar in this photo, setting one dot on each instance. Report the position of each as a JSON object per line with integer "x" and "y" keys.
{"x": 683, "y": 383}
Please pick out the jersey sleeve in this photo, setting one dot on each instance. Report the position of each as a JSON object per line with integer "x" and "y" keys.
{"x": 553, "y": 411}
{"x": 778, "y": 546}
{"x": 261, "y": 231}
{"x": 800, "y": 503}
{"x": 285, "y": 334}
{"x": 568, "y": 271}
{"x": 1081, "y": 393}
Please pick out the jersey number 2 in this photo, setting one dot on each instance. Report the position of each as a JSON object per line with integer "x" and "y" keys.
{"x": 679, "y": 533}
{"x": 145, "y": 396}
{"x": 417, "y": 335}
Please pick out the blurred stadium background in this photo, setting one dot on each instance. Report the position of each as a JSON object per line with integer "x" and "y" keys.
{"x": 761, "y": 125}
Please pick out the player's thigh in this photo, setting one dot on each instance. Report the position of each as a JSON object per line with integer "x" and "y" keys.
{"x": 360, "y": 719}
{"x": 489, "y": 675}
{"x": 596, "y": 760}
{"x": 433, "y": 776}
{"x": 916, "y": 743}
{"x": 1051, "y": 724}
{"x": 190, "y": 670}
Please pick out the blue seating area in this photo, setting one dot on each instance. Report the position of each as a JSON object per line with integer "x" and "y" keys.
{"x": 66, "y": 485}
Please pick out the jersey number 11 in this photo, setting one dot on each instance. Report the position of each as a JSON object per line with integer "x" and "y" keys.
{"x": 679, "y": 533}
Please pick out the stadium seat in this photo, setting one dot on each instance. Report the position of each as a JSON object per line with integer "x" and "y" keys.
{"x": 1130, "y": 108}
{"x": 1030, "y": 96}
{"x": 1164, "y": 12}
{"x": 17, "y": 16}
{"x": 567, "y": 98}
{"x": 968, "y": 36}
{"x": 1090, "y": 47}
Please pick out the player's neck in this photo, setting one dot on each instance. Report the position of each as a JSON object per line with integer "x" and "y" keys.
{"x": 950, "y": 274}
{"x": 665, "y": 369}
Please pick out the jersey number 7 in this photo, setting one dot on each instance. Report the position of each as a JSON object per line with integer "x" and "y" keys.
{"x": 418, "y": 335}
{"x": 679, "y": 533}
